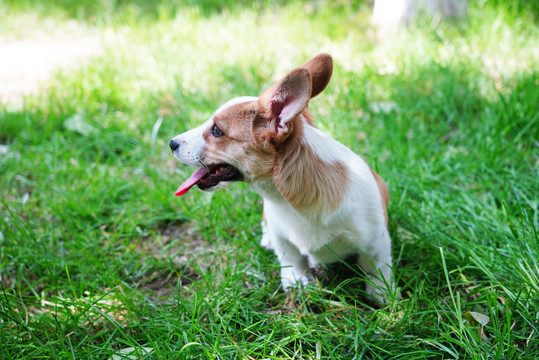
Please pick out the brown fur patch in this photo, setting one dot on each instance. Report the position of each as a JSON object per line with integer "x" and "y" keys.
{"x": 307, "y": 182}
{"x": 321, "y": 68}
{"x": 236, "y": 120}
{"x": 237, "y": 145}
{"x": 382, "y": 187}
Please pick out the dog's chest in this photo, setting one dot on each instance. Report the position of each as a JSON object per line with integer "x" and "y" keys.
{"x": 321, "y": 242}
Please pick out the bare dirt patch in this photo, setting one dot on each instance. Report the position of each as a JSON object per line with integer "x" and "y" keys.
{"x": 176, "y": 243}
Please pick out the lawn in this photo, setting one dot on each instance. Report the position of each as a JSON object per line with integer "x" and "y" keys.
{"x": 98, "y": 258}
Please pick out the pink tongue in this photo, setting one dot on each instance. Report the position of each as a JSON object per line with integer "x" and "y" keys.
{"x": 193, "y": 179}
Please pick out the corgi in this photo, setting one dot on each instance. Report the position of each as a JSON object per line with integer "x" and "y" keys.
{"x": 322, "y": 202}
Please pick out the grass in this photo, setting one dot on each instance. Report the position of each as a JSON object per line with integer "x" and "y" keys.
{"x": 98, "y": 258}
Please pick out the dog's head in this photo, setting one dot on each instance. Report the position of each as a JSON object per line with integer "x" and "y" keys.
{"x": 244, "y": 137}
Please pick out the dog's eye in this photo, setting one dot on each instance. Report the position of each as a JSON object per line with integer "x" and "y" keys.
{"x": 215, "y": 131}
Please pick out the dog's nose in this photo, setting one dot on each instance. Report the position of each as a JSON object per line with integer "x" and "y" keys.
{"x": 173, "y": 145}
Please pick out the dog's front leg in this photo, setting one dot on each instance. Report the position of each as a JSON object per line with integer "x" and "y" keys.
{"x": 294, "y": 266}
{"x": 265, "y": 240}
{"x": 378, "y": 267}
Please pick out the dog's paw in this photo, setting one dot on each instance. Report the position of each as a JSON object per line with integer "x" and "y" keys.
{"x": 292, "y": 278}
{"x": 265, "y": 240}
{"x": 378, "y": 294}
{"x": 379, "y": 291}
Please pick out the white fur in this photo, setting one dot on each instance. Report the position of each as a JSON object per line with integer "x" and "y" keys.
{"x": 235, "y": 101}
{"x": 318, "y": 141}
{"x": 191, "y": 144}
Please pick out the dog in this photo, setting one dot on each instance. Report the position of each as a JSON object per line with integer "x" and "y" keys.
{"x": 322, "y": 202}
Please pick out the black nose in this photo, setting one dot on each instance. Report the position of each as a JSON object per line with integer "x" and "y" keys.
{"x": 173, "y": 145}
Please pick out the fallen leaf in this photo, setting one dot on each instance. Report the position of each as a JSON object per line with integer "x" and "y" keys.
{"x": 477, "y": 318}
{"x": 132, "y": 353}
{"x": 77, "y": 124}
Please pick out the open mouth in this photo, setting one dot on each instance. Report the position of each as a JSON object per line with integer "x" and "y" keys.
{"x": 207, "y": 177}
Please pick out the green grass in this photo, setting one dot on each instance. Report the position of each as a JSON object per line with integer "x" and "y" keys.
{"x": 97, "y": 255}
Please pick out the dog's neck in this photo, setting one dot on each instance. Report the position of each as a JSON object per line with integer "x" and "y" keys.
{"x": 307, "y": 175}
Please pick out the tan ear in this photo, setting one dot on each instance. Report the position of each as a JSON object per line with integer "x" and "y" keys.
{"x": 321, "y": 68}
{"x": 285, "y": 100}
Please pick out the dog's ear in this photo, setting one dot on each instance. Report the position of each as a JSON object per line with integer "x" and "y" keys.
{"x": 321, "y": 68}
{"x": 285, "y": 100}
